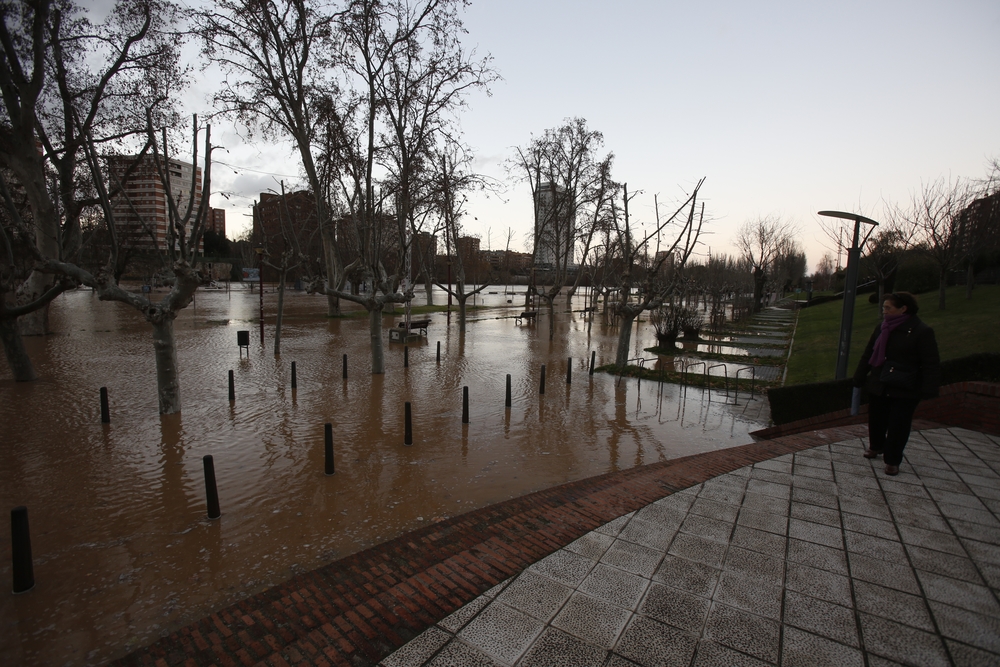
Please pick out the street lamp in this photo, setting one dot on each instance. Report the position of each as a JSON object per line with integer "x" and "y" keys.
{"x": 260, "y": 275}
{"x": 850, "y": 286}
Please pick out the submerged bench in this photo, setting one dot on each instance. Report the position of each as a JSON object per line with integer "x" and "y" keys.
{"x": 420, "y": 325}
{"x": 529, "y": 315}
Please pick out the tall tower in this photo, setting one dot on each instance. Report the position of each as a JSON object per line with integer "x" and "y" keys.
{"x": 555, "y": 226}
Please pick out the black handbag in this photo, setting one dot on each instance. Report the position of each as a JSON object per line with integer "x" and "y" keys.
{"x": 899, "y": 376}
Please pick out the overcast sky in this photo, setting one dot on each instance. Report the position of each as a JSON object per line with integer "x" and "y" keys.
{"x": 786, "y": 107}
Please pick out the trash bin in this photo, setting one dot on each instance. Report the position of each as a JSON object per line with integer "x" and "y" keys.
{"x": 243, "y": 338}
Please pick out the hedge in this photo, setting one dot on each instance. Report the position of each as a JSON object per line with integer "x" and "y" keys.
{"x": 801, "y": 401}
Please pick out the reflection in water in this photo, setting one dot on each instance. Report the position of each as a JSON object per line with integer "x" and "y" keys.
{"x": 124, "y": 552}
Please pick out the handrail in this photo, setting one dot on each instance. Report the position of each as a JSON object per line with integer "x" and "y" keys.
{"x": 687, "y": 366}
{"x": 753, "y": 380}
{"x": 725, "y": 374}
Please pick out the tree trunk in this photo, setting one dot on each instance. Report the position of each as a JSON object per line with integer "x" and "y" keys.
{"x": 461, "y": 312}
{"x": 332, "y": 306}
{"x": 942, "y": 285}
{"x": 13, "y": 347}
{"x": 168, "y": 386}
{"x": 281, "y": 310}
{"x": 378, "y": 353}
{"x": 569, "y": 297}
{"x": 551, "y": 303}
{"x": 429, "y": 290}
{"x": 624, "y": 338}
{"x": 970, "y": 279}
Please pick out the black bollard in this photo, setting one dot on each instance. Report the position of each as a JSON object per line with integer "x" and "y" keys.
{"x": 211, "y": 492}
{"x": 406, "y": 356}
{"x": 105, "y": 410}
{"x": 328, "y": 438}
{"x": 569, "y": 370}
{"x": 20, "y": 538}
{"x": 465, "y": 405}
{"x": 293, "y": 375}
{"x": 439, "y": 352}
{"x": 232, "y": 387}
{"x": 593, "y": 357}
{"x": 345, "y": 366}
{"x": 407, "y": 425}
{"x": 507, "y": 400}
{"x": 541, "y": 385}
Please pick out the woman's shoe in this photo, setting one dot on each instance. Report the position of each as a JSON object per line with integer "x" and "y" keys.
{"x": 891, "y": 470}
{"x": 872, "y": 453}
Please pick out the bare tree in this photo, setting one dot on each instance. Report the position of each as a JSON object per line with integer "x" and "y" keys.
{"x": 942, "y": 231}
{"x": 761, "y": 242}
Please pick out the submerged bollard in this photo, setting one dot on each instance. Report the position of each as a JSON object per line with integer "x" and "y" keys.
{"x": 407, "y": 425}
{"x": 328, "y": 438}
{"x": 20, "y": 539}
{"x": 593, "y": 357}
{"x": 211, "y": 492}
{"x": 105, "y": 410}
{"x": 569, "y": 370}
{"x": 345, "y": 366}
{"x": 507, "y": 400}
{"x": 465, "y": 405}
{"x": 541, "y": 385}
{"x": 232, "y": 387}
{"x": 293, "y": 375}
{"x": 439, "y": 352}
{"x": 406, "y": 356}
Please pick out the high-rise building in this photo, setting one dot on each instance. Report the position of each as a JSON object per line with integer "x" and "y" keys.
{"x": 282, "y": 218}
{"x": 467, "y": 248}
{"x": 555, "y": 226}
{"x": 141, "y": 210}
{"x": 217, "y": 221}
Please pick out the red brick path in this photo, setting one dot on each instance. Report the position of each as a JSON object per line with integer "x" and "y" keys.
{"x": 359, "y": 609}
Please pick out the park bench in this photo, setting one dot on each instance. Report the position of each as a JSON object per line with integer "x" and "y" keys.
{"x": 529, "y": 315}
{"x": 420, "y": 325}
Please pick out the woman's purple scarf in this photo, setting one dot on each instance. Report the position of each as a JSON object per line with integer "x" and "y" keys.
{"x": 889, "y": 324}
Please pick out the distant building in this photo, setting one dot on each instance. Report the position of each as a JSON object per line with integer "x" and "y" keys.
{"x": 467, "y": 248}
{"x": 287, "y": 219}
{"x": 217, "y": 221}
{"x": 147, "y": 225}
{"x": 555, "y": 226}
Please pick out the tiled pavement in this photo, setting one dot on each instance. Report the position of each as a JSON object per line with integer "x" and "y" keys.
{"x": 812, "y": 558}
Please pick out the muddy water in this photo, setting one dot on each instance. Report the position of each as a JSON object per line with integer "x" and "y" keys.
{"x": 123, "y": 552}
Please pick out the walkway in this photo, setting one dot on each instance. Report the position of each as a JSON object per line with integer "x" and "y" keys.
{"x": 795, "y": 550}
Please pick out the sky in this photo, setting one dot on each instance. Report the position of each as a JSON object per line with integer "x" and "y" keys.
{"x": 786, "y": 108}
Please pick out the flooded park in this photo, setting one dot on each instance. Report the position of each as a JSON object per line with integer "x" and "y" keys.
{"x": 123, "y": 550}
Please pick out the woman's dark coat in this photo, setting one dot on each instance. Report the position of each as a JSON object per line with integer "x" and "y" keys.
{"x": 912, "y": 344}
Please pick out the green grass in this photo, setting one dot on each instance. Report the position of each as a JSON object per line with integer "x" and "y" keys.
{"x": 965, "y": 327}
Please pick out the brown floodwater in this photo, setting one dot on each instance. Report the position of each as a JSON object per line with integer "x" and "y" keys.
{"x": 123, "y": 551}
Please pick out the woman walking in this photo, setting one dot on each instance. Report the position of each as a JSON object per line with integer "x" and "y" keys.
{"x": 901, "y": 365}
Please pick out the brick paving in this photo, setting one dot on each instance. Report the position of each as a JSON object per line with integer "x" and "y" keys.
{"x": 359, "y": 610}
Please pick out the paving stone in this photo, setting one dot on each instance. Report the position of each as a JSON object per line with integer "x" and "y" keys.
{"x": 772, "y": 523}
{"x": 715, "y": 510}
{"x": 456, "y": 621}
{"x": 818, "y": 556}
{"x": 865, "y": 507}
{"x": 918, "y": 519}
{"x": 418, "y": 650}
{"x": 956, "y": 567}
{"x": 594, "y": 621}
{"x": 804, "y": 649}
{"x": 698, "y": 549}
{"x": 618, "y": 661}
{"x": 749, "y": 593}
{"x": 962, "y": 498}
{"x": 710, "y": 654}
{"x": 820, "y": 584}
{"x": 815, "y": 532}
{"x": 613, "y": 585}
{"x": 769, "y": 476}
{"x": 459, "y": 654}
{"x": 732, "y": 494}
{"x": 743, "y": 631}
{"x": 592, "y": 545}
{"x": 895, "y": 487}
{"x": 967, "y": 656}
{"x": 811, "y": 497}
{"x": 555, "y": 648}
{"x": 496, "y": 590}
{"x": 957, "y": 593}
{"x": 976, "y": 531}
{"x": 898, "y": 576}
{"x": 754, "y": 564}
{"x": 535, "y": 595}
{"x": 900, "y": 642}
{"x": 827, "y": 486}
{"x": 821, "y": 618}
{"x": 967, "y": 627}
{"x": 990, "y": 491}
{"x": 674, "y": 607}
{"x": 824, "y": 473}
{"x": 501, "y": 632}
{"x": 982, "y": 552}
{"x": 663, "y": 515}
{"x": 977, "y": 516}
{"x": 612, "y": 528}
{"x": 711, "y": 529}
{"x": 760, "y": 541}
{"x": 931, "y": 539}
{"x": 679, "y": 502}
{"x": 777, "y": 466}
{"x": 876, "y": 547}
{"x": 565, "y": 567}
{"x": 815, "y": 514}
{"x": 759, "y": 502}
{"x": 648, "y": 534}
{"x": 893, "y": 605}
{"x": 654, "y": 644}
{"x": 687, "y": 575}
{"x": 634, "y": 558}
{"x": 772, "y": 489}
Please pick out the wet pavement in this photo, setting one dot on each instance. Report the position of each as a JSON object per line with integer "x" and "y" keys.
{"x": 809, "y": 558}
{"x": 123, "y": 551}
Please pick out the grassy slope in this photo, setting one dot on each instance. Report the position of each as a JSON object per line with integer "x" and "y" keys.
{"x": 964, "y": 328}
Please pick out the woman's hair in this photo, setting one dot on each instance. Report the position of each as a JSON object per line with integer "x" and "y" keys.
{"x": 900, "y": 299}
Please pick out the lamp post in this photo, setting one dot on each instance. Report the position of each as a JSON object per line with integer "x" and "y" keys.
{"x": 850, "y": 286}
{"x": 260, "y": 276}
